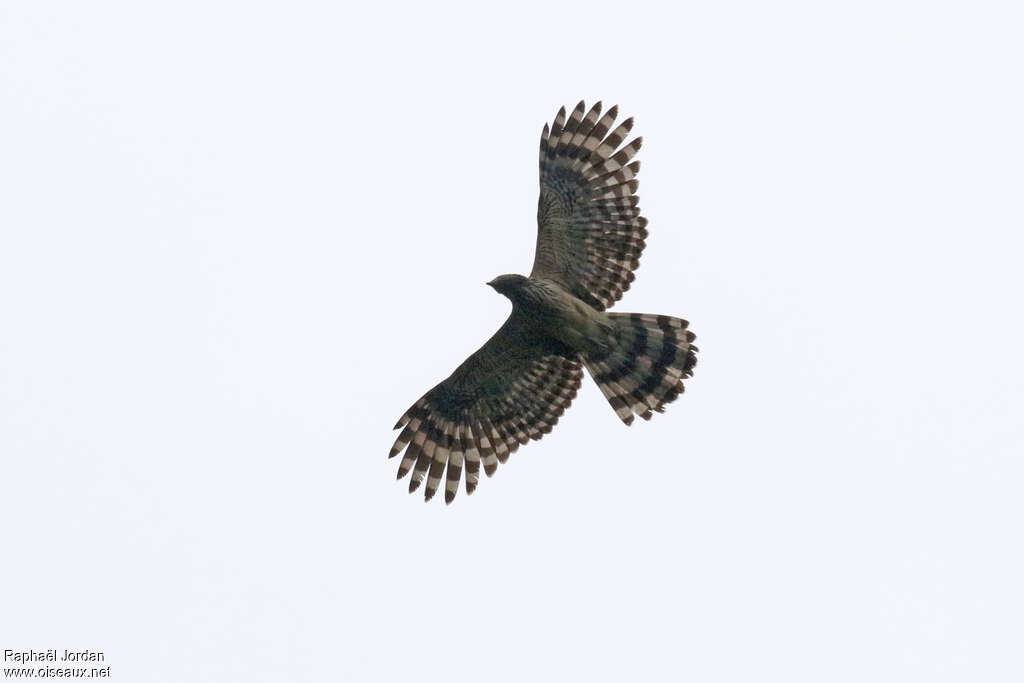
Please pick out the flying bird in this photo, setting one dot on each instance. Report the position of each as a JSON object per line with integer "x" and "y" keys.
{"x": 590, "y": 235}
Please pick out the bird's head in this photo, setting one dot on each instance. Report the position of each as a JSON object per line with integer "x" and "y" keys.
{"x": 507, "y": 284}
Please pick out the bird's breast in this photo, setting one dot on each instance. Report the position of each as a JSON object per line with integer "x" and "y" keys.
{"x": 566, "y": 318}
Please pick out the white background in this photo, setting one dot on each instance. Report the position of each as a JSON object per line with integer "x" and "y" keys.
{"x": 239, "y": 239}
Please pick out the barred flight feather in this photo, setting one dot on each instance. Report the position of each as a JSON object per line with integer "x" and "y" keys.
{"x": 492, "y": 404}
{"x": 645, "y": 368}
{"x": 586, "y": 182}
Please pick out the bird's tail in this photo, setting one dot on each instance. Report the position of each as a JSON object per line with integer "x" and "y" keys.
{"x": 645, "y": 367}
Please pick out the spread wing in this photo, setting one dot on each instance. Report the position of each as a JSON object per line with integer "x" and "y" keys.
{"x": 589, "y": 230}
{"x": 513, "y": 389}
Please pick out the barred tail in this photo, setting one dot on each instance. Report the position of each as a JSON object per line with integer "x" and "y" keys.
{"x": 646, "y": 367}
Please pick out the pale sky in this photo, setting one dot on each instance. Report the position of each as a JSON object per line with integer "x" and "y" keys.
{"x": 238, "y": 240}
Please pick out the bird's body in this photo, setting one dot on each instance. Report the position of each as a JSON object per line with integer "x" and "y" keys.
{"x": 514, "y": 388}
{"x": 554, "y": 312}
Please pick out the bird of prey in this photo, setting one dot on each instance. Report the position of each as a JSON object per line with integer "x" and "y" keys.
{"x": 514, "y": 388}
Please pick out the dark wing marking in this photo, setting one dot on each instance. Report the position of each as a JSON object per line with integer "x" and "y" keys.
{"x": 513, "y": 389}
{"x": 589, "y": 230}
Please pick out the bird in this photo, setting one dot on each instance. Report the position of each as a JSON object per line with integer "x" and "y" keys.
{"x": 590, "y": 236}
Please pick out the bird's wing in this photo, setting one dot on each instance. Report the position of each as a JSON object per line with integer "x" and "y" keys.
{"x": 513, "y": 389}
{"x": 589, "y": 230}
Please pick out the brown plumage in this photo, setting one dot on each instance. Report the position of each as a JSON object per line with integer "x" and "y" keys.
{"x": 590, "y": 235}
